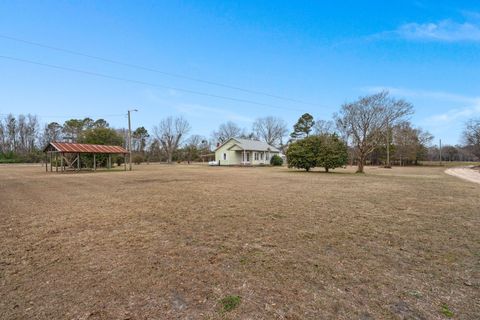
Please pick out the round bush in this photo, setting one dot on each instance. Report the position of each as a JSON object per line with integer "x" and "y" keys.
{"x": 276, "y": 160}
{"x": 138, "y": 159}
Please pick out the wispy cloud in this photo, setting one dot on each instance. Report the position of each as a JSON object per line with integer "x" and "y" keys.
{"x": 467, "y": 106}
{"x": 426, "y": 94}
{"x": 456, "y": 114}
{"x": 196, "y": 110}
{"x": 445, "y": 30}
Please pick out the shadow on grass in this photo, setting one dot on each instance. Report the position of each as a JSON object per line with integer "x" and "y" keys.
{"x": 323, "y": 172}
{"x": 86, "y": 171}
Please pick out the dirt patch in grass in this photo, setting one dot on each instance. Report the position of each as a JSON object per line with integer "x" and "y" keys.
{"x": 170, "y": 242}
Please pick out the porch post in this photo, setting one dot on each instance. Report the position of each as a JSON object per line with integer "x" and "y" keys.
{"x": 244, "y": 155}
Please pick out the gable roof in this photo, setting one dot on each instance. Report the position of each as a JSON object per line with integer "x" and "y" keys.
{"x": 247, "y": 144}
{"x": 67, "y": 147}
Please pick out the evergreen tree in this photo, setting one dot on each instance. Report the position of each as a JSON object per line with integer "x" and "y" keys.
{"x": 303, "y": 127}
{"x": 302, "y": 154}
{"x": 332, "y": 153}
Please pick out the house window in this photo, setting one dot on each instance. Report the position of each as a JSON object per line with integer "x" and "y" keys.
{"x": 261, "y": 156}
{"x": 224, "y": 156}
{"x": 255, "y": 154}
{"x": 248, "y": 157}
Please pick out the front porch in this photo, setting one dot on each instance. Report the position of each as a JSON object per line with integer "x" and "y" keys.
{"x": 250, "y": 157}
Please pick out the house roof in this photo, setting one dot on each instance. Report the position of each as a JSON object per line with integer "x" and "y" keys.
{"x": 83, "y": 148}
{"x": 255, "y": 145}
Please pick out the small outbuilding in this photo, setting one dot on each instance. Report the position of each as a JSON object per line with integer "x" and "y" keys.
{"x": 236, "y": 151}
{"x": 66, "y": 156}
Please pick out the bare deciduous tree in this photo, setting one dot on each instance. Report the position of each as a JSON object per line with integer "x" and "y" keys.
{"x": 226, "y": 131}
{"x": 11, "y": 125}
{"x": 410, "y": 143}
{"x": 471, "y": 136}
{"x": 365, "y": 121}
{"x": 322, "y": 127}
{"x": 169, "y": 133}
{"x": 270, "y": 129}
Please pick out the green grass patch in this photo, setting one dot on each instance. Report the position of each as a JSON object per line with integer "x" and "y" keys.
{"x": 230, "y": 302}
{"x": 446, "y": 311}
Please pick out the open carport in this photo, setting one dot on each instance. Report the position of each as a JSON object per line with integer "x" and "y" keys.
{"x": 59, "y": 155}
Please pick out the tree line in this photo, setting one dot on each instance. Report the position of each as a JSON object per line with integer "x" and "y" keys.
{"x": 365, "y": 131}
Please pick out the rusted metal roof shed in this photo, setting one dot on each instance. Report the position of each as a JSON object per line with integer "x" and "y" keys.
{"x": 55, "y": 149}
{"x": 66, "y": 147}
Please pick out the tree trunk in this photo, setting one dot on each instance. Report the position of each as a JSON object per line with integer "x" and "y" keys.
{"x": 169, "y": 157}
{"x": 361, "y": 164}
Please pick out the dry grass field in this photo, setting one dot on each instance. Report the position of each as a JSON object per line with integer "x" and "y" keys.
{"x": 170, "y": 242}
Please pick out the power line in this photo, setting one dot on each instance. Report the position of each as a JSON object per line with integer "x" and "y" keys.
{"x": 101, "y": 75}
{"x": 170, "y": 74}
{"x": 73, "y": 116}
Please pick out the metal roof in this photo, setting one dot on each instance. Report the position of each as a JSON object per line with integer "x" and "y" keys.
{"x": 67, "y": 147}
{"x": 255, "y": 145}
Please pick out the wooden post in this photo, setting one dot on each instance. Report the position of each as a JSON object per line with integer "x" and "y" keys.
{"x": 94, "y": 163}
{"x": 46, "y": 162}
{"x": 56, "y": 161}
{"x": 51, "y": 169}
{"x": 61, "y": 162}
{"x": 125, "y": 160}
{"x": 78, "y": 161}
{"x": 109, "y": 164}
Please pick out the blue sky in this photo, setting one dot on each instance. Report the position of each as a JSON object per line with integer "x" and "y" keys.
{"x": 427, "y": 52}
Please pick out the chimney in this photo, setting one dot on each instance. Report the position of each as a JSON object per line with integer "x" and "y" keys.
{"x": 218, "y": 144}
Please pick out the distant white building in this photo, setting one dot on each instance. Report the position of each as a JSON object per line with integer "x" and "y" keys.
{"x": 236, "y": 151}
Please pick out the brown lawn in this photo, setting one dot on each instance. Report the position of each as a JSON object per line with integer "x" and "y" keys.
{"x": 169, "y": 242}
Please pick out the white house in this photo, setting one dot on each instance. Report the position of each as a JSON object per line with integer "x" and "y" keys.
{"x": 236, "y": 151}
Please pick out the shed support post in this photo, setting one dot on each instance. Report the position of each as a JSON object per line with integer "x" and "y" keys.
{"x": 51, "y": 168}
{"x": 46, "y": 162}
{"x": 109, "y": 161}
{"x": 94, "y": 163}
{"x": 125, "y": 160}
{"x": 56, "y": 161}
{"x": 78, "y": 161}
{"x": 61, "y": 162}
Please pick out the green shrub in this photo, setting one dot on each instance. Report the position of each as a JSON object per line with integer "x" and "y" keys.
{"x": 276, "y": 160}
{"x": 333, "y": 152}
{"x": 302, "y": 154}
{"x": 326, "y": 150}
{"x": 120, "y": 160}
{"x": 138, "y": 159}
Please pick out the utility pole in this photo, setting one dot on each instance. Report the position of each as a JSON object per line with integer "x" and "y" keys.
{"x": 130, "y": 140}
{"x": 440, "y": 151}
{"x": 388, "y": 149}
